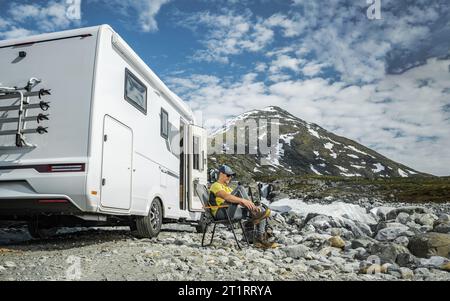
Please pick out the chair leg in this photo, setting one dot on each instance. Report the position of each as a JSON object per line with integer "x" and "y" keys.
{"x": 204, "y": 235}
{"x": 212, "y": 237}
{"x": 244, "y": 233}
{"x": 234, "y": 233}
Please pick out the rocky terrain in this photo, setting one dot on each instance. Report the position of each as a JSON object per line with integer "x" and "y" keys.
{"x": 322, "y": 240}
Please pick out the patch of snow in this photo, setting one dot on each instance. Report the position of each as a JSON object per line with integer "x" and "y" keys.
{"x": 269, "y": 109}
{"x": 350, "y": 175}
{"x": 358, "y": 166}
{"x": 342, "y": 168}
{"x": 379, "y": 168}
{"x": 314, "y": 133}
{"x": 334, "y": 155}
{"x": 315, "y": 171}
{"x": 287, "y": 138}
{"x": 329, "y": 145}
{"x": 338, "y": 210}
{"x": 351, "y": 147}
{"x": 323, "y": 165}
{"x": 256, "y": 170}
{"x": 353, "y": 156}
{"x": 412, "y": 172}
{"x": 316, "y": 153}
{"x": 402, "y": 173}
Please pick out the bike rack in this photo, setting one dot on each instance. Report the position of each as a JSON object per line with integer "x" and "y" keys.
{"x": 24, "y": 95}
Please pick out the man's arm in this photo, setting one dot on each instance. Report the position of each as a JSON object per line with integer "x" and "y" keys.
{"x": 235, "y": 200}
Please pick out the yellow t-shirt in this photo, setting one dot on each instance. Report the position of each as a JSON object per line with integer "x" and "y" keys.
{"x": 215, "y": 188}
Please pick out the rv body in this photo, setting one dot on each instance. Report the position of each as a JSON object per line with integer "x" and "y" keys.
{"x": 117, "y": 138}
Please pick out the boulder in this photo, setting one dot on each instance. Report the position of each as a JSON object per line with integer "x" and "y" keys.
{"x": 320, "y": 222}
{"x": 427, "y": 219}
{"x": 337, "y": 242}
{"x": 405, "y": 259}
{"x": 403, "y": 218}
{"x": 406, "y": 273}
{"x": 430, "y": 244}
{"x": 363, "y": 242}
{"x": 435, "y": 262}
{"x": 442, "y": 227}
{"x": 444, "y": 218}
{"x": 391, "y": 233}
{"x": 388, "y": 252}
{"x": 381, "y": 212}
{"x": 297, "y": 251}
{"x": 408, "y": 210}
{"x": 402, "y": 240}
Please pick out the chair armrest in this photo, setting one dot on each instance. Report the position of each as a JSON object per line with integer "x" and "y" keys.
{"x": 216, "y": 207}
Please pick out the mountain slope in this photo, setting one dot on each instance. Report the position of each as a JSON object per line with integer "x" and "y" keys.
{"x": 303, "y": 149}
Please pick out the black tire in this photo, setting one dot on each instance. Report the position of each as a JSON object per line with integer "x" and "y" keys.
{"x": 200, "y": 227}
{"x": 150, "y": 226}
{"x": 37, "y": 232}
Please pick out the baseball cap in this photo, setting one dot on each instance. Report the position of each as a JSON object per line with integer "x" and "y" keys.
{"x": 226, "y": 170}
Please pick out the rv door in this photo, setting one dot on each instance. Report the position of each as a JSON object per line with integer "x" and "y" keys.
{"x": 197, "y": 164}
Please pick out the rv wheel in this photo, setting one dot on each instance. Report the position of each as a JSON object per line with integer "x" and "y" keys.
{"x": 149, "y": 226}
{"x": 38, "y": 232}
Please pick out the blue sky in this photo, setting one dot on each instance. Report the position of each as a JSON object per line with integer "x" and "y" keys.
{"x": 384, "y": 83}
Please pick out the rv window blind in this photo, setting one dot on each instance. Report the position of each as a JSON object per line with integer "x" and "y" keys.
{"x": 135, "y": 91}
{"x": 164, "y": 124}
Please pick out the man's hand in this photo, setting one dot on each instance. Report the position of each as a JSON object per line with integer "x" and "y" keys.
{"x": 249, "y": 205}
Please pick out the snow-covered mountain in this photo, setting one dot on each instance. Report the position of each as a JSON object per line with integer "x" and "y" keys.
{"x": 303, "y": 149}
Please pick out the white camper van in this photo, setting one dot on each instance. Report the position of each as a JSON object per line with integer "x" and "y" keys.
{"x": 89, "y": 135}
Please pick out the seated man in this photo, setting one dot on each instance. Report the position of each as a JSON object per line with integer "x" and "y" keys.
{"x": 224, "y": 195}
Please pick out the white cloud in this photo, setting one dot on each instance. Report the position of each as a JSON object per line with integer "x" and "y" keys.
{"x": 399, "y": 116}
{"x": 227, "y": 34}
{"x": 47, "y": 17}
{"x": 148, "y": 10}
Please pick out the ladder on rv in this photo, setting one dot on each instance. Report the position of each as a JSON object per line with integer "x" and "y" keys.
{"x": 20, "y": 109}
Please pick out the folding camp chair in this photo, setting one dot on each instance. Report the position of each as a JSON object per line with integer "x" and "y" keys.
{"x": 209, "y": 219}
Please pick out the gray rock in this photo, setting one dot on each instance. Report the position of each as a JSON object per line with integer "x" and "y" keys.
{"x": 409, "y": 210}
{"x": 297, "y": 251}
{"x": 363, "y": 242}
{"x": 433, "y": 262}
{"x": 406, "y": 259}
{"x": 430, "y": 244}
{"x": 427, "y": 219}
{"x": 406, "y": 274}
{"x": 422, "y": 272}
{"x": 388, "y": 252}
{"x": 391, "y": 233}
{"x": 403, "y": 218}
{"x": 320, "y": 222}
{"x": 444, "y": 218}
{"x": 10, "y": 264}
{"x": 381, "y": 212}
{"x": 402, "y": 240}
{"x": 442, "y": 228}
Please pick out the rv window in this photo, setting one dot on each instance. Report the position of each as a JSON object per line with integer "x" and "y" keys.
{"x": 196, "y": 163}
{"x": 135, "y": 92}
{"x": 164, "y": 124}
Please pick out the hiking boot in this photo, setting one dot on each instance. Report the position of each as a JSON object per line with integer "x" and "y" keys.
{"x": 257, "y": 218}
{"x": 265, "y": 244}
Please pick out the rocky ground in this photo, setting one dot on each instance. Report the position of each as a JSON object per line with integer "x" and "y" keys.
{"x": 371, "y": 241}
